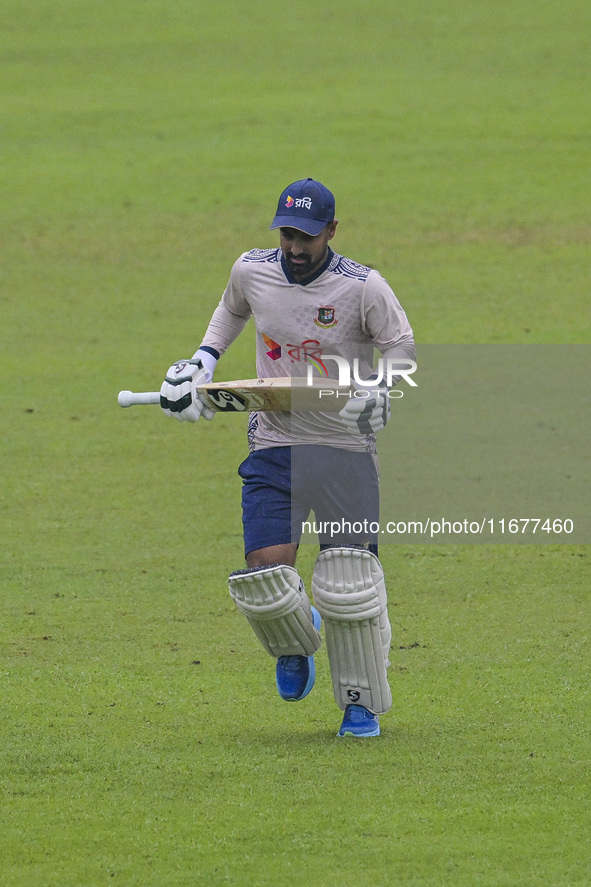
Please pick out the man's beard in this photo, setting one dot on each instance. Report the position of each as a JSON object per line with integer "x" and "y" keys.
{"x": 299, "y": 265}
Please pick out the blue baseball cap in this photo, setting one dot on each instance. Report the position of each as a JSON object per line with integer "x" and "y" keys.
{"x": 306, "y": 205}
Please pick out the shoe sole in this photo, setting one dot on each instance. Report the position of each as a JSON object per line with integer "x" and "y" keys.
{"x": 358, "y": 735}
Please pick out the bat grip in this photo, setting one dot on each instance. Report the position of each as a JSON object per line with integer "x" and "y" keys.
{"x": 131, "y": 398}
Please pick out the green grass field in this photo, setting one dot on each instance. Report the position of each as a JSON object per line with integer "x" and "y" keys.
{"x": 144, "y": 145}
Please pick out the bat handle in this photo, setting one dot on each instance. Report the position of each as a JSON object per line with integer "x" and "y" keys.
{"x": 131, "y": 398}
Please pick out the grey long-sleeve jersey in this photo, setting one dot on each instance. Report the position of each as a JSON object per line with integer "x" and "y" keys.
{"x": 345, "y": 309}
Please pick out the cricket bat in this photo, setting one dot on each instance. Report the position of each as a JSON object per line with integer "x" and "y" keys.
{"x": 282, "y": 394}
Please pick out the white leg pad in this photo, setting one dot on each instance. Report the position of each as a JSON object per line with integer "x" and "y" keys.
{"x": 350, "y": 595}
{"x": 275, "y": 603}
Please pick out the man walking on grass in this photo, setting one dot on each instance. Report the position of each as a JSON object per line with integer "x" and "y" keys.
{"x": 307, "y": 303}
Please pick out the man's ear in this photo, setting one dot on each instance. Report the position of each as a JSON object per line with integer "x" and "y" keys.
{"x": 331, "y": 228}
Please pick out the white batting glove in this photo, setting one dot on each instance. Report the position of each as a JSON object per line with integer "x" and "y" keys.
{"x": 178, "y": 395}
{"x": 367, "y": 415}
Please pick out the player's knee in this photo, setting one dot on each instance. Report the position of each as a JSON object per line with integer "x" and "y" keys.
{"x": 272, "y": 554}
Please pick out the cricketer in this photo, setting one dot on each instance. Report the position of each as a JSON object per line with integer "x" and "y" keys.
{"x": 307, "y": 301}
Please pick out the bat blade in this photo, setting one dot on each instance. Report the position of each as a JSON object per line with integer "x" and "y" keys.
{"x": 282, "y": 394}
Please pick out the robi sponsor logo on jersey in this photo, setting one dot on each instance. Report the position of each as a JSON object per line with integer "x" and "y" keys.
{"x": 274, "y": 347}
{"x": 326, "y": 317}
{"x": 289, "y": 202}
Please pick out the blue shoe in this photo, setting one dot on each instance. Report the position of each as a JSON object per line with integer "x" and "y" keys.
{"x": 295, "y": 675}
{"x": 359, "y": 721}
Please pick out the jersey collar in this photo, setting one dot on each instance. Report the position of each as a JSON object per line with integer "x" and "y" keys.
{"x": 315, "y": 276}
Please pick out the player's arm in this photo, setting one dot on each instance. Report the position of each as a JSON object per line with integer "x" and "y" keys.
{"x": 384, "y": 320}
{"x": 179, "y": 397}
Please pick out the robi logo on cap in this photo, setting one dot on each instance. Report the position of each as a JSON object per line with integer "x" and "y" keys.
{"x": 307, "y": 201}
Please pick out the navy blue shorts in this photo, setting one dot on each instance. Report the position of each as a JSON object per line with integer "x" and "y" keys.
{"x": 283, "y": 485}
